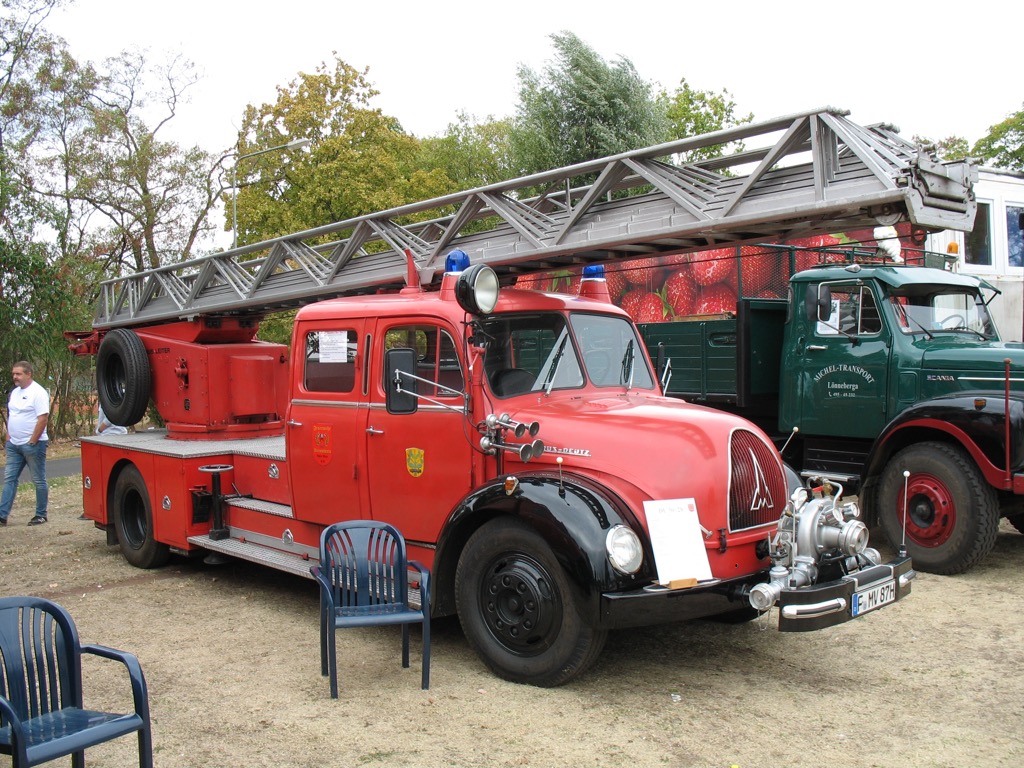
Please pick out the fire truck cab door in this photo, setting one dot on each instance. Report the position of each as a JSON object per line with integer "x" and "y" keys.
{"x": 420, "y": 464}
{"x": 327, "y": 421}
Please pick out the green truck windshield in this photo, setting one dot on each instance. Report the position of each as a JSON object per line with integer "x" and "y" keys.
{"x": 934, "y": 309}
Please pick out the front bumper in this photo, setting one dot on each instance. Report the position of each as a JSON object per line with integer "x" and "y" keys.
{"x": 800, "y": 610}
{"x": 806, "y": 609}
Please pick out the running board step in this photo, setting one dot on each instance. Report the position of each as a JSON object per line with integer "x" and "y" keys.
{"x": 259, "y": 505}
{"x": 257, "y": 553}
{"x": 282, "y": 561}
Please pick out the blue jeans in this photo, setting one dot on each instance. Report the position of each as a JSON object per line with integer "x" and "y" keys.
{"x": 18, "y": 457}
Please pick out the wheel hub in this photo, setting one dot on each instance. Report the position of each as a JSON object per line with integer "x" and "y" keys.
{"x": 931, "y": 510}
{"x": 518, "y": 602}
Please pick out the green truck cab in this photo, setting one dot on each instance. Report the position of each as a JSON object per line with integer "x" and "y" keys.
{"x": 889, "y": 378}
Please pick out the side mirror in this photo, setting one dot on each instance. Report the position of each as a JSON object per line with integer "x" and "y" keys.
{"x": 400, "y": 381}
{"x": 818, "y": 302}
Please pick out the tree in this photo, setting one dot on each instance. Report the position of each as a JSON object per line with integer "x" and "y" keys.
{"x": 153, "y": 196}
{"x": 1004, "y": 144}
{"x": 690, "y": 112}
{"x": 41, "y": 292}
{"x": 360, "y": 160}
{"x": 948, "y": 149}
{"x": 470, "y": 153}
{"x": 581, "y": 108}
{"x": 83, "y": 179}
{"x": 24, "y": 48}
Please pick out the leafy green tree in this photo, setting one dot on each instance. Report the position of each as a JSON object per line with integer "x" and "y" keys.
{"x": 948, "y": 149}
{"x": 1004, "y": 144}
{"x": 469, "y": 153}
{"x": 690, "y": 112}
{"x": 84, "y": 181}
{"x": 360, "y": 160}
{"x": 25, "y": 46}
{"x": 580, "y": 108}
{"x": 39, "y": 292}
{"x": 42, "y": 298}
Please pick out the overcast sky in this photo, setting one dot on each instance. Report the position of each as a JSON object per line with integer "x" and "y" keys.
{"x": 919, "y": 65}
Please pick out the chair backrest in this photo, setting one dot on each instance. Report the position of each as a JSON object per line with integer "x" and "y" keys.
{"x": 40, "y": 657}
{"x": 365, "y": 562}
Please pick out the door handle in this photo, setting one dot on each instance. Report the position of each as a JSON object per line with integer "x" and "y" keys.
{"x": 816, "y": 347}
{"x": 293, "y": 423}
{"x": 372, "y": 431}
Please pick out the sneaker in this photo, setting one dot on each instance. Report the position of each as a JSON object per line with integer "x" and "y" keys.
{"x": 37, "y": 520}
{"x": 3, "y": 521}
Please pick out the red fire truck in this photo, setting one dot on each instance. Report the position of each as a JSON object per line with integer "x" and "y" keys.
{"x": 519, "y": 440}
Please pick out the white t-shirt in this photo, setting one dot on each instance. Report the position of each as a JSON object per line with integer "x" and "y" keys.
{"x": 24, "y": 407}
{"x": 112, "y": 429}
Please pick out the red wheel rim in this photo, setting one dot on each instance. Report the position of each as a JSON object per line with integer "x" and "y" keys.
{"x": 931, "y": 516}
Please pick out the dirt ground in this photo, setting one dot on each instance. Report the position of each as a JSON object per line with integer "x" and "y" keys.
{"x": 231, "y": 657}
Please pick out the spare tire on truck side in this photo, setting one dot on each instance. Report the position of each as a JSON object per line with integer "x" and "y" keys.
{"x": 123, "y": 377}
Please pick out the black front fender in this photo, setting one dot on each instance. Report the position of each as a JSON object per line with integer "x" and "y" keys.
{"x": 976, "y": 420}
{"x": 572, "y": 513}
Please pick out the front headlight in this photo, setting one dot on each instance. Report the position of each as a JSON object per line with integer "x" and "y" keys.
{"x": 477, "y": 290}
{"x": 624, "y": 550}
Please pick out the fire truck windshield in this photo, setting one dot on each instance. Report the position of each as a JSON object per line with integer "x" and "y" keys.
{"x": 539, "y": 352}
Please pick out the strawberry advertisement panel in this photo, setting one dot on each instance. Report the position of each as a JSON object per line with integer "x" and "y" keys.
{"x": 678, "y": 286}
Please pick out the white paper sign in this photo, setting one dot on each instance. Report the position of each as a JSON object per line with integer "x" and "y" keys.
{"x": 334, "y": 346}
{"x": 829, "y": 327}
{"x": 677, "y": 540}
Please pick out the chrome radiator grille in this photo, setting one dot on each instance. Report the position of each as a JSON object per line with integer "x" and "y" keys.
{"x": 757, "y": 487}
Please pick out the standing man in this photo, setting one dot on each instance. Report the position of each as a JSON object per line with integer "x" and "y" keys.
{"x": 28, "y": 410}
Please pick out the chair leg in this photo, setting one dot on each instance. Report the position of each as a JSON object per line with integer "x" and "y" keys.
{"x": 145, "y": 748}
{"x": 332, "y": 663}
{"x": 426, "y": 655}
{"x": 405, "y": 646}
{"x": 323, "y": 644}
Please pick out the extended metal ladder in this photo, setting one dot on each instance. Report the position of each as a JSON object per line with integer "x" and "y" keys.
{"x": 811, "y": 172}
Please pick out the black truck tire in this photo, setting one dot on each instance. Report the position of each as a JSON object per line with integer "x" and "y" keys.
{"x": 518, "y": 609}
{"x": 133, "y": 521}
{"x": 953, "y": 514}
{"x": 122, "y": 377}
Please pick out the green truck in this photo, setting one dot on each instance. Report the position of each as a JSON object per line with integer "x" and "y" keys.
{"x": 890, "y": 378}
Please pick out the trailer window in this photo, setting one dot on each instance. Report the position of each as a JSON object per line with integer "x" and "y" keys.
{"x": 978, "y": 241}
{"x": 1015, "y": 234}
{"x": 330, "y": 364}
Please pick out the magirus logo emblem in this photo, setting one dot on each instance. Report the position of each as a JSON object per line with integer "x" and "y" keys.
{"x": 762, "y": 498}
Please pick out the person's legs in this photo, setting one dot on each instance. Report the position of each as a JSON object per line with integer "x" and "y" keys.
{"x": 35, "y": 457}
{"x": 15, "y": 463}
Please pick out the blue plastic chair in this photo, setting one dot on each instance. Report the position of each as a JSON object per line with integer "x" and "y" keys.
{"x": 364, "y": 580}
{"x": 41, "y": 714}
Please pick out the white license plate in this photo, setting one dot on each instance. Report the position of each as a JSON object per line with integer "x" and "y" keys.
{"x": 874, "y": 597}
